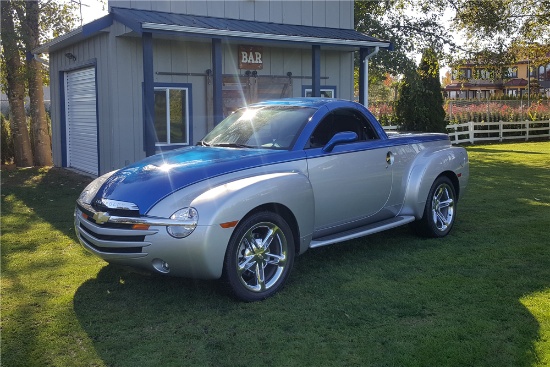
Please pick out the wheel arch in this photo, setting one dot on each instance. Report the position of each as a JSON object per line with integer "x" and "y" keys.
{"x": 422, "y": 176}
{"x": 454, "y": 180}
{"x": 287, "y": 215}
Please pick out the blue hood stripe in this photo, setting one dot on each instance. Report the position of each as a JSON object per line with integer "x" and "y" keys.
{"x": 152, "y": 179}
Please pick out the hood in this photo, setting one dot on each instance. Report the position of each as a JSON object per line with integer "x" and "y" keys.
{"x": 146, "y": 182}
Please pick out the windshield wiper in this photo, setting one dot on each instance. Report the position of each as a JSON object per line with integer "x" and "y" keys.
{"x": 232, "y": 145}
{"x": 203, "y": 143}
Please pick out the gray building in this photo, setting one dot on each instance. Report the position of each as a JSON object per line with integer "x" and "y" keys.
{"x": 157, "y": 75}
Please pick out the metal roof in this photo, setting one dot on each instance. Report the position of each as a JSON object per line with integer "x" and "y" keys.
{"x": 141, "y": 21}
{"x": 154, "y": 21}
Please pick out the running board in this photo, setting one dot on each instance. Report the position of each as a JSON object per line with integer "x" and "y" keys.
{"x": 361, "y": 231}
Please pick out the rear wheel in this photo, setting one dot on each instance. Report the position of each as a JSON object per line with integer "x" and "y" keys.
{"x": 440, "y": 210}
{"x": 259, "y": 257}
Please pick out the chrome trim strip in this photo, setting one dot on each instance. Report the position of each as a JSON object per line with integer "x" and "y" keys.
{"x": 362, "y": 231}
{"x": 112, "y": 243}
{"x": 152, "y": 221}
{"x": 115, "y": 231}
{"x": 115, "y": 204}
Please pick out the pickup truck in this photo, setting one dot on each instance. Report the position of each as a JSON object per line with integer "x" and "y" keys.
{"x": 269, "y": 182}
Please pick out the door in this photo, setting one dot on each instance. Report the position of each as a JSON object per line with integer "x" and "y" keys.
{"x": 81, "y": 120}
{"x": 351, "y": 183}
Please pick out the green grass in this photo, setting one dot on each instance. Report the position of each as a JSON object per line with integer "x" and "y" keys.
{"x": 479, "y": 297}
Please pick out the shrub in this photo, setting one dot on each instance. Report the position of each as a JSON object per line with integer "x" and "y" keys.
{"x": 7, "y": 141}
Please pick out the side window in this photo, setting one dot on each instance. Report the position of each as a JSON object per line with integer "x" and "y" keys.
{"x": 172, "y": 116}
{"x": 340, "y": 121}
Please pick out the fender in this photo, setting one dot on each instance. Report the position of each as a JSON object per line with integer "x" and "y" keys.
{"x": 427, "y": 166}
{"x": 232, "y": 201}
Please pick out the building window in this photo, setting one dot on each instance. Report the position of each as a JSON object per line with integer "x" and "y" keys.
{"x": 326, "y": 91}
{"x": 547, "y": 72}
{"x": 542, "y": 72}
{"x": 512, "y": 72}
{"x": 465, "y": 73}
{"x": 483, "y": 74}
{"x": 512, "y": 92}
{"x": 532, "y": 72}
{"x": 172, "y": 115}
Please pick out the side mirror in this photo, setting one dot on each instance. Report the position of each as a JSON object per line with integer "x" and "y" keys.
{"x": 340, "y": 138}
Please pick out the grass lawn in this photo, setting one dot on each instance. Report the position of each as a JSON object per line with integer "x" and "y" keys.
{"x": 480, "y": 297}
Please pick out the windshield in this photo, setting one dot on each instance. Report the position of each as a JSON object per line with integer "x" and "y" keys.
{"x": 271, "y": 127}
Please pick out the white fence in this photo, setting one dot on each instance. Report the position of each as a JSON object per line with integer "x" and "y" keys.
{"x": 472, "y": 132}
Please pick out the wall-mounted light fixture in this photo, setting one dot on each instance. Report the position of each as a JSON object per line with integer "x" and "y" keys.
{"x": 70, "y": 56}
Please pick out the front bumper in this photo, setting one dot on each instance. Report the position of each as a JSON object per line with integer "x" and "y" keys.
{"x": 143, "y": 242}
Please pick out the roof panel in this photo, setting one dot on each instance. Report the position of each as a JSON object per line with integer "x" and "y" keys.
{"x": 152, "y": 20}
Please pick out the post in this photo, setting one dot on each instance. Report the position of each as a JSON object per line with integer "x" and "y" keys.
{"x": 316, "y": 71}
{"x": 217, "y": 80}
{"x": 149, "y": 134}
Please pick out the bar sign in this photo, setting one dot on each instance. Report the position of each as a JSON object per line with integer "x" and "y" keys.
{"x": 250, "y": 57}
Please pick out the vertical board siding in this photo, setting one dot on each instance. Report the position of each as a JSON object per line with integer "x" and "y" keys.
{"x": 261, "y": 11}
{"x": 332, "y": 14}
{"x": 324, "y": 13}
{"x": 307, "y": 12}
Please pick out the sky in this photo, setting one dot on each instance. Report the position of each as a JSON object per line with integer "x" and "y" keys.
{"x": 92, "y": 9}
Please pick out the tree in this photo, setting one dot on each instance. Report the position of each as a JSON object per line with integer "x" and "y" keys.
{"x": 489, "y": 26}
{"x": 420, "y": 103}
{"x": 15, "y": 88}
{"x": 39, "y": 125}
{"x": 25, "y": 25}
{"x": 410, "y": 25}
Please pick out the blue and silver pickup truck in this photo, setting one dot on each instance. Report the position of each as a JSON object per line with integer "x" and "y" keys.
{"x": 269, "y": 182}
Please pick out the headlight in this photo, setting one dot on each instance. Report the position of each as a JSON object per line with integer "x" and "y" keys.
{"x": 91, "y": 190}
{"x": 188, "y": 215}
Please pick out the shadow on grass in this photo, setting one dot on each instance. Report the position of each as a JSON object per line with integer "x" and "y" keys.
{"x": 390, "y": 299}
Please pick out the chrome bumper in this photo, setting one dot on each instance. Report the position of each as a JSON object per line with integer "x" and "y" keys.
{"x": 105, "y": 217}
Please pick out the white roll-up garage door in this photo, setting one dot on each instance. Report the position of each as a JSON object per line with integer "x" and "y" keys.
{"x": 81, "y": 120}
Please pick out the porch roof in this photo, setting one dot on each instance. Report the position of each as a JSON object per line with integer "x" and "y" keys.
{"x": 156, "y": 22}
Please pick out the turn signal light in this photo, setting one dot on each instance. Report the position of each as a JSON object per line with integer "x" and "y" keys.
{"x": 143, "y": 227}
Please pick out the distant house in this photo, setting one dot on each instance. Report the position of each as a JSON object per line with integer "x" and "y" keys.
{"x": 158, "y": 75}
{"x": 476, "y": 81}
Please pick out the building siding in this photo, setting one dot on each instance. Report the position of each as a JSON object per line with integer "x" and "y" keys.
{"x": 323, "y": 13}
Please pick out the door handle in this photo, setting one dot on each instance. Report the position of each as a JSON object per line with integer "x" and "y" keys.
{"x": 390, "y": 158}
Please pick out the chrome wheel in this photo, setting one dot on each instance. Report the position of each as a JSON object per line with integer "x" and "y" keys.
{"x": 262, "y": 257}
{"x": 443, "y": 207}
{"x": 259, "y": 256}
{"x": 440, "y": 210}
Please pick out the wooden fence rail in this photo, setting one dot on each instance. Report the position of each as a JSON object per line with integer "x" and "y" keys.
{"x": 473, "y": 132}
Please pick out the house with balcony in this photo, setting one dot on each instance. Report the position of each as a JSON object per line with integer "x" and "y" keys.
{"x": 473, "y": 80}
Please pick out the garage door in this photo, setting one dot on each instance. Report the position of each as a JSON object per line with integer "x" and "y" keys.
{"x": 81, "y": 120}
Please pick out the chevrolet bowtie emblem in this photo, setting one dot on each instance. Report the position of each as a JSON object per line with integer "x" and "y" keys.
{"x": 101, "y": 217}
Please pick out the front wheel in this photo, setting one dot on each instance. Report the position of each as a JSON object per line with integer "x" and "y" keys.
{"x": 259, "y": 257}
{"x": 440, "y": 211}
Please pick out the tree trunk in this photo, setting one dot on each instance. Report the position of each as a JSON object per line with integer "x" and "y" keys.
{"x": 40, "y": 131}
{"x": 16, "y": 89}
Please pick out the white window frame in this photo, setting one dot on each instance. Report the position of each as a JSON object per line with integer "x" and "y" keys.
{"x": 187, "y": 122}
{"x": 310, "y": 91}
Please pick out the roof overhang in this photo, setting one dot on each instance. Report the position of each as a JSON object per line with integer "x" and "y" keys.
{"x": 77, "y": 35}
{"x": 162, "y": 24}
{"x": 227, "y": 33}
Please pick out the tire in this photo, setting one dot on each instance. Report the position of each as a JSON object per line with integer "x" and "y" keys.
{"x": 440, "y": 210}
{"x": 259, "y": 257}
